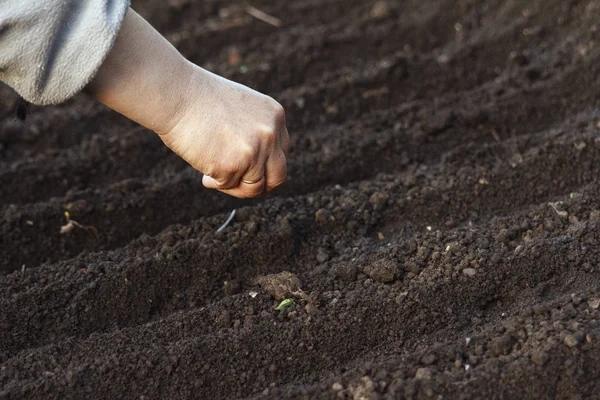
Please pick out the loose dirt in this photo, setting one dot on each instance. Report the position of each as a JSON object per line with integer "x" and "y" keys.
{"x": 439, "y": 233}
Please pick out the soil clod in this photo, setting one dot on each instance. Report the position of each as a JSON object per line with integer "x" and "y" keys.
{"x": 383, "y": 270}
{"x": 281, "y": 285}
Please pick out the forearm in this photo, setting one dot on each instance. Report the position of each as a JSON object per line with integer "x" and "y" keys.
{"x": 144, "y": 77}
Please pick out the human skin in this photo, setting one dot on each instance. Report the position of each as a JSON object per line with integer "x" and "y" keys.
{"x": 234, "y": 135}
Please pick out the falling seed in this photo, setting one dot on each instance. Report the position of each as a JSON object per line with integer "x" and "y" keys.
{"x": 227, "y": 222}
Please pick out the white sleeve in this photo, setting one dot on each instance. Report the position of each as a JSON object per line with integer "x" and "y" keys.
{"x": 51, "y": 49}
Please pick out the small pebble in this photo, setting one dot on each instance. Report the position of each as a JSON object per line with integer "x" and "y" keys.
{"x": 322, "y": 216}
{"x": 232, "y": 287}
{"x": 429, "y": 359}
{"x": 571, "y": 340}
{"x": 518, "y": 249}
{"x": 423, "y": 373}
{"x": 539, "y": 358}
{"x": 594, "y": 303}
{"x": 322, "y": 255}
{"x": 469, "y": 271}
{"x": 500, "y": 345}
{"x": 223, "y": 319}
{"x": 378, "y": 201}
{"x": 381, "y": 9}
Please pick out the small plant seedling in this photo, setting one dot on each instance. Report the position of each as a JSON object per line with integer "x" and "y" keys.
{"x": 562, "y": 214}
{"x": 72, "y": 224}
{"x": 284, "y": 303}
{"x": 573, "y": 195}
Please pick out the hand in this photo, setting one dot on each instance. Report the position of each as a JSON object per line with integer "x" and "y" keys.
{"x": 234, "y": 135}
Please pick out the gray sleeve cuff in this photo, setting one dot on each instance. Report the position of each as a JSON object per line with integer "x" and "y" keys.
{"x": 51, "y": 49}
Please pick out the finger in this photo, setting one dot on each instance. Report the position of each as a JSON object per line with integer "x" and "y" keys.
{"x": 229, "y": 182}
{"x": 275, "y": 170}
{"x": 226, "y": 176}
{"x": 255, "y": 173}
{"x": 209, "y": 182}
{"x": 250, "y": 183}
{"x": 247, "y": 190}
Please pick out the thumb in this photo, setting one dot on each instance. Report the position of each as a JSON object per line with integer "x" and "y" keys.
{"x": 209, "y": 182}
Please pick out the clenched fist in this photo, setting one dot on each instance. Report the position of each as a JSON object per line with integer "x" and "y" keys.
{"x": 232, "y": 134}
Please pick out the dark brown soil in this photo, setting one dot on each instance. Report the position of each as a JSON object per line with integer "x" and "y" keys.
{"x": 440, "y": 227}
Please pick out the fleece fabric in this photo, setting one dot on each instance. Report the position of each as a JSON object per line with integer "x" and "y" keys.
{"x": 51, "y": 49}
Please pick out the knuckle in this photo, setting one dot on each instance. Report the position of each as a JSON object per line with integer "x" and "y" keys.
{"x": 229, "y": 168}
{"x": 278, "y": 113}
{"x": 255, "y": 190}
{"x": 247, "y": 154}
{"x": 276, "y": 183}
{"x": 252, "y": 190}
{"x": 209, "y": 171}
{"x": 280, "y": 181}
{"x": 279, "y": 177}
{"x": 224, "y": 185}
{"x": 268, "y": 133}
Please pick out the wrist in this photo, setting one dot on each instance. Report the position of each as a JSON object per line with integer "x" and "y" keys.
{"x": 144, "y": 77}
{"x": 174, "y": 97}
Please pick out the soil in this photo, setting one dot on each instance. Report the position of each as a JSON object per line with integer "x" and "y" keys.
{"x": 438, "y": 233}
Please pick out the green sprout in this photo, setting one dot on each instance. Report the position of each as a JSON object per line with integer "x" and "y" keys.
{"x": 284, "y": 303}
{"x": 573, "y": 195}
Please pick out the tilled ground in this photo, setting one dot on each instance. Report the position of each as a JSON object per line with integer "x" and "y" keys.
{"x": 440, "y": 226}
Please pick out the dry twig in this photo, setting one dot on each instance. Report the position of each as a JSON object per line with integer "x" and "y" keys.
{"x": 263, "y": 16}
